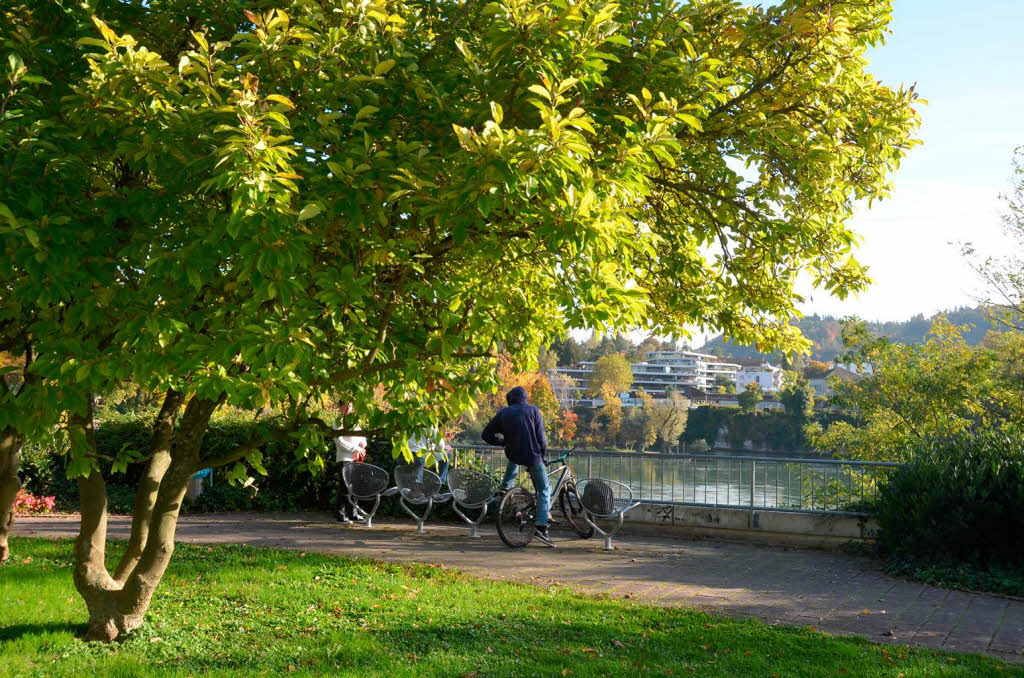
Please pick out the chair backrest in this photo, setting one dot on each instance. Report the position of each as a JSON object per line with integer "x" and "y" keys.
{"x": 470, "y": 488}
{"x": 417, "y": 484}
{"x": 604, "y": 497}
{"x": 364, "y": 480}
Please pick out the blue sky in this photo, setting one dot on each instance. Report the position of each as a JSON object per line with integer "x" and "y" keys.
{"x": 967, "y": 59}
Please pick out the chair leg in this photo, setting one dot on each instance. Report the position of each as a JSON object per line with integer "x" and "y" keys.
{"x": 412, "y": 514}
{"x": 419, "y": 527}
{"x": 474, "y": 533}
{"x": 607, "y": 535}
{"x": 368, "y": 515}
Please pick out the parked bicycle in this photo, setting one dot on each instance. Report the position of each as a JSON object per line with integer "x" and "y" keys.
{"x": 518, "y": 508}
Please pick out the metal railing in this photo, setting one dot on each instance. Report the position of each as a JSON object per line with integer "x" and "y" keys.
{"x": 825, "y": 486}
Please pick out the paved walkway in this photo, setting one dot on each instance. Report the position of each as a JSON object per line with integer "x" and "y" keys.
{"x": 832, "y": 592}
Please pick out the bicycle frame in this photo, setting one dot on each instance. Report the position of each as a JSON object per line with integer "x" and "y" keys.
{"x": 565, "y": 475}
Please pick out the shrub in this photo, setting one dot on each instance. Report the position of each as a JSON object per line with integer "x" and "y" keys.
{"x": 29, "y": 503}
{"x": 699, "y": 446}
{"x": 291, "y": 485}
{"x": 959, "y": 501}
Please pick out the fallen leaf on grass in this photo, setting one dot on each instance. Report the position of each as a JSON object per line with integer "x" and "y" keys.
{"x": 618, "y": 643}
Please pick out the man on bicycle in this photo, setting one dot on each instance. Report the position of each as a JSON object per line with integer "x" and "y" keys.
{"x": 520, "y": 429}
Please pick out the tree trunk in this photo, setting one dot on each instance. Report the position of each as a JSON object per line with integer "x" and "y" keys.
{"x": 149, "y": 486}
{"x": 118, "y": 605}
{"x": 10, "y": 446}
{"x": 92, "y": 580}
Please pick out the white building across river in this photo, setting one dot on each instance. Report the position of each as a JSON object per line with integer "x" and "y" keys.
{"x": 664, "y": 370}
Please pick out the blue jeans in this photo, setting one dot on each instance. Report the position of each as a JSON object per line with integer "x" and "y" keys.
{"x": 443, "y": 463}
{"x": 539, "y": 476}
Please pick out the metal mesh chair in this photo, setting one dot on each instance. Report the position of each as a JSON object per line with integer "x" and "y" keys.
{"x": 605, "y": 500}
{"x": 366, "y": 482}
{"x": 418, "y": 486}
{"x": 471, "y": 490}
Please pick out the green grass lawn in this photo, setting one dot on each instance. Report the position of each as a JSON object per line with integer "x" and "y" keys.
{"x": 239, "y": 611}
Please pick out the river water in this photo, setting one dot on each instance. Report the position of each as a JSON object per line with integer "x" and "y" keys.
{"x": 734, "y": 481}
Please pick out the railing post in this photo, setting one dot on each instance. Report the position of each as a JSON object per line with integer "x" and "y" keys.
{"x": 753, "y": 479}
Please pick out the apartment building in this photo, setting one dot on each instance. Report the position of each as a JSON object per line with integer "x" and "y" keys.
{"x": 768, "y": 377}
{"x": 663, "y": 370}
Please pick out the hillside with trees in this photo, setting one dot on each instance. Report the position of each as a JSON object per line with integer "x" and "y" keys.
{"x": 825, "y": 332}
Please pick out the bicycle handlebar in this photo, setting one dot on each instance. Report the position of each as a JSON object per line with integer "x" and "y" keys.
{"x": 565, "y": 455}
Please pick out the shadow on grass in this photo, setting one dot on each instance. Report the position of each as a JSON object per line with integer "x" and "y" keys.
{"x": 18, "y": 631}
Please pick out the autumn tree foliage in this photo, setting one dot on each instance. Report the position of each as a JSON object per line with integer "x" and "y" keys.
{"x": 611, "y": 373}
{"x": 567, "y": 425}
{"x": 543, "y": 397}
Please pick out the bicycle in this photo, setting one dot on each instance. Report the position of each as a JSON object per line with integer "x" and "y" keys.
{"x": 518, "y": 508}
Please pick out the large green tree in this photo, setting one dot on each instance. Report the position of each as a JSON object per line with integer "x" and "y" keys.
{"x": 917, "y": 394}
{"x": 266, "y": 208}
{"x": 797, "y": 396}
{"x": 750, "y": 397}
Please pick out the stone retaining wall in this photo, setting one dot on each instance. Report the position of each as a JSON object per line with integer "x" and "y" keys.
{"x": 758, "y": 525}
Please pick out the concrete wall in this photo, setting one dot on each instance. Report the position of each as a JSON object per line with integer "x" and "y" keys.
{"x": 766, "y": 526}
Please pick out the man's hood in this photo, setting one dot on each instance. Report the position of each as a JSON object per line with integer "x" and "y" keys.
{"x": 516, "y": 396}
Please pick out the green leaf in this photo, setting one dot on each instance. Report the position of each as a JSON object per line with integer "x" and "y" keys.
{"x": 309, "y": 211}
{"x": 384, "y": 66}
{"x": 366, "y": 111}
{"x": 541, "y": 90}
{"x": 691, "y": 121}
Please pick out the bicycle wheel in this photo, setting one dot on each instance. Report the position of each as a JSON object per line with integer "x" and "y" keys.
{"x": 572, "y": 509}
{"x": 516, "y": 517}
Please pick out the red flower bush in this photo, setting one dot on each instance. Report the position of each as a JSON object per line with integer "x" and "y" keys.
{"x": 28, "y": 503}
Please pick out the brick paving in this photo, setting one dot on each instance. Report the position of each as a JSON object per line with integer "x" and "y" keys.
{"x": 833, "y": 592}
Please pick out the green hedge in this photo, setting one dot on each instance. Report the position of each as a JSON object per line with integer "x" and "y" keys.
{"x": 289, "y": 486}
{"x": 958, "y": 502}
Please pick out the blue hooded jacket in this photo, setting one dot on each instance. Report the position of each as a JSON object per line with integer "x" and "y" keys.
{"x": 520, "y": 428}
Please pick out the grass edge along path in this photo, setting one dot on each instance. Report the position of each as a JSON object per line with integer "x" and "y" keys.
{"x": 237, "y": 610}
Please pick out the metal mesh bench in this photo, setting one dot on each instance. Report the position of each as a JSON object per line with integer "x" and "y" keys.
{"x": 472, "y": 490}
{"x": 605, "y": 500}
{"x": 420, "y": 487}
{"x": 366, "y": 482}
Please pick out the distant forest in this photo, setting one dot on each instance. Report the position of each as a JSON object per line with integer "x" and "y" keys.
{"x": 826, "y": 333}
